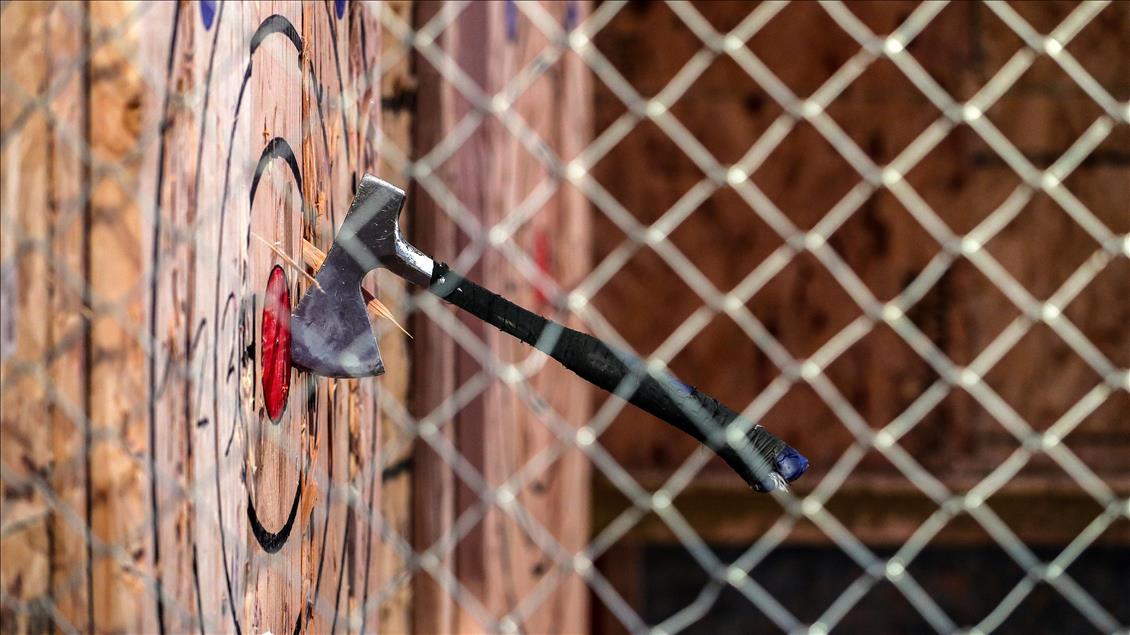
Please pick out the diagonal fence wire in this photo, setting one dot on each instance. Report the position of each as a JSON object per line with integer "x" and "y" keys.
{"x": 813, "y": 109}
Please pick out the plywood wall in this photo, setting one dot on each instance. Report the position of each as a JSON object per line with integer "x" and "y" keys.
{"x": 803, "y": 306}
{"x": 153, "y": 154}
{"x": 962, "y": 179}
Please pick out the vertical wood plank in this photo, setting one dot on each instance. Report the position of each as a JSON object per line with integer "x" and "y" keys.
{"x": 218, "y": 444}
{"x": 559, "y": 240}
{"x": 493, "y": 174}
{"x": 362, "y": 52}
{"x": 124, "y": 110}
{"x": 166, "y": 196}
{"x": 326, "y": 186}
{"x": 434, "y": 376}
{"x": 280, "y": 482}
{"x": 67, "y": 191}
{"x": 396, "y": 93}
{"x": 477, "y": 44}
{"x": 553, "y": 242}
{"x": 26, "y": 511}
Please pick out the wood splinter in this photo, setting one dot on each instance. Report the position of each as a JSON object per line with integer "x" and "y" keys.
{"x": 313, "y": 258}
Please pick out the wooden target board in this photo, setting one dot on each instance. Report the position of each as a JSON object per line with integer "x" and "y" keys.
{"x": 163, "y": 166}
{"x": 277, "y": 164}
{"x": 221, "y": 136}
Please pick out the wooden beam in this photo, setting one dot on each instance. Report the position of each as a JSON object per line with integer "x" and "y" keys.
{"x": 434, "y": 373}
{"x": 492, "y": 174}
{"x": 43, "y": 321}
{"x": 390, "y": 587}
{"x": 27, "y": 514}
{"x": 67, "y": 192}
{"x": 124, "y": 110}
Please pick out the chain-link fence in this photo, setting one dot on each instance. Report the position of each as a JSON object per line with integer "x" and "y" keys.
{"x": 152, "y": 183}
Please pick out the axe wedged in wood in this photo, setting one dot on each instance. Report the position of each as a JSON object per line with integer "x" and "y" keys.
{"x": 331, "y": 336}
{"x": 314, "y": 257}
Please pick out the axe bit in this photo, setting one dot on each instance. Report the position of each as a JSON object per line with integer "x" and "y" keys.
{"x": 331, "y": 336}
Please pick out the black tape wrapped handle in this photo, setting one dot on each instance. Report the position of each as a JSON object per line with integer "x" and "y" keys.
{"x": 753, "y": 457}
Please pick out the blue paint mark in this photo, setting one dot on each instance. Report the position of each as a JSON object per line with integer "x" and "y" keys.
{"x": 570, "y": 15}
{"x": 207, "y": 13}
{"x": 511, "y": 20}
{"x": 339, "y": 6}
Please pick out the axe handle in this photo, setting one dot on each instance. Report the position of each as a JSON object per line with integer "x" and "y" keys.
{"x": 759, "y": 457}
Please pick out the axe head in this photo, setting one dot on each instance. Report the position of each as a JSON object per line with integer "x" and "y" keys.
{"x": 330, "y": 330}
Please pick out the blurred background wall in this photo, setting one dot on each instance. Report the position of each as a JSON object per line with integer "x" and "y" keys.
{"x": 803, "y": 306}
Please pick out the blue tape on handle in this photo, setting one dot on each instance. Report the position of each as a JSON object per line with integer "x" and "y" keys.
{"x": 791, "y": 464}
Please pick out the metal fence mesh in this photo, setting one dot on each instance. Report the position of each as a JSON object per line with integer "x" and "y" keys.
{"x": 25, "y": 108}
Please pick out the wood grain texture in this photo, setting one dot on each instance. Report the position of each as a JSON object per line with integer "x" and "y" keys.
{"x": 71, "y": 580}
{"x": 220, "y": 539}
{"x": 285, "y": 463}
{"x": 803, "y": 306}
{"x": 139, "y": 312}
{"x": 124, "y": 110}
{"x": 393, "y": 136}
{"x": 25, "y": 443}
{"x": 43, "y": 511}
{"x": 434, "y": 373}
{"x": 171, "y": 310}
{"x": 502, "y": 432}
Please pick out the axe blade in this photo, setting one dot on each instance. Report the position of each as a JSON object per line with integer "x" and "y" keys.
{"x": 330, "y": 330}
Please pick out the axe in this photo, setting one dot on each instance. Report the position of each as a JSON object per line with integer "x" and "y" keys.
{"x": 331, "y": 336}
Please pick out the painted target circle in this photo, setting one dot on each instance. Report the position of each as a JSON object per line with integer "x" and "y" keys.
{"x": 266, "y": 455}
{"x": 275, "y": 344}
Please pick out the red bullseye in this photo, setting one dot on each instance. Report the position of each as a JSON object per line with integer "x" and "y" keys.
{"x": 276, "y": 344}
